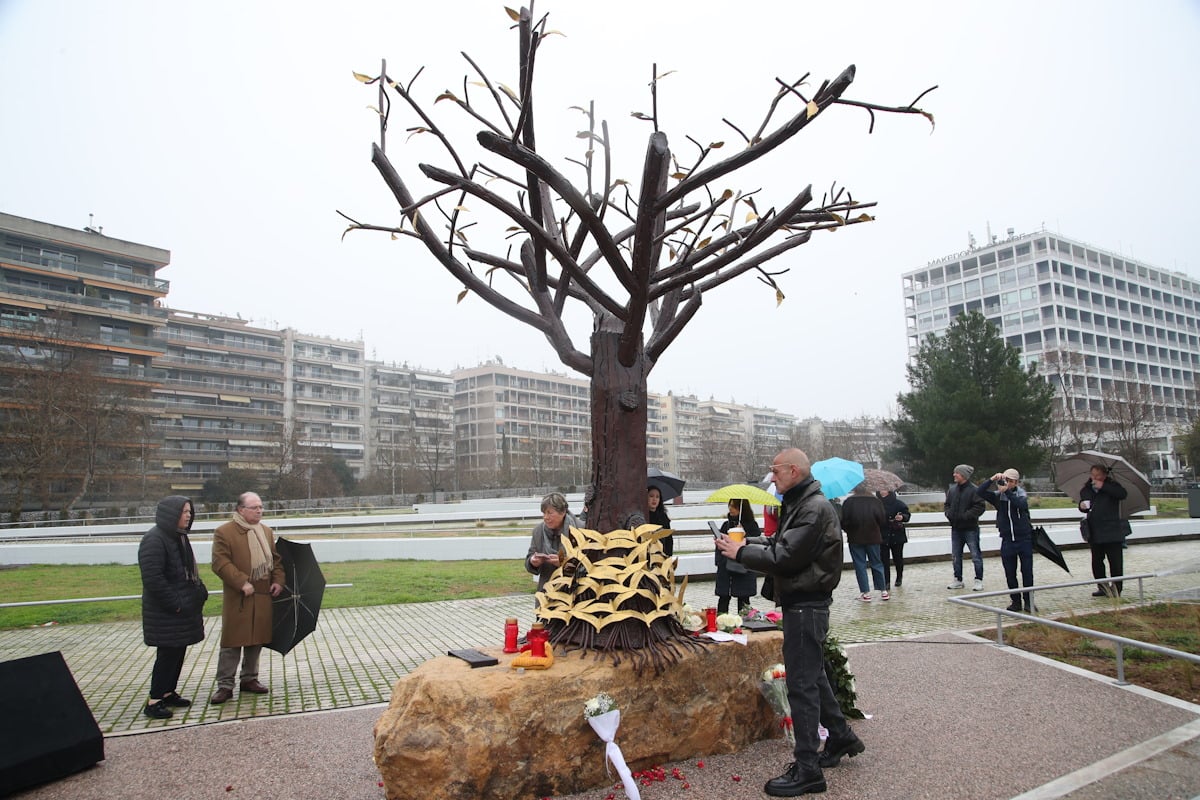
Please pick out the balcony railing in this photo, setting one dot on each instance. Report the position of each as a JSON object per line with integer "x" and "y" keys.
{"x": 69, "y": 299}
{"x": 18, "y": 257}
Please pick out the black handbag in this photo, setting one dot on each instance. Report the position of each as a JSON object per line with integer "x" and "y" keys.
{"x": 1085, "y": 530}
{"x": 768, "y": 588}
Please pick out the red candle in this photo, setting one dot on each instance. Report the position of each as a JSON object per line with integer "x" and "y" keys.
{"x": 711, "y": 615}
{"x": 510, "y": 635}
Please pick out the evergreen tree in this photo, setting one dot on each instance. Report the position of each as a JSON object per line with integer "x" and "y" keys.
{"x": 970, "y": 402}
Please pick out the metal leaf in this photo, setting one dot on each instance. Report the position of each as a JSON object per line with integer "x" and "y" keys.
{"x": 447, "y": 95}
{"x": 462, "y": 295}
{"x": 515, "y": 16}
{"x": 813, "y": 109}
{"x": 358, "y": 76}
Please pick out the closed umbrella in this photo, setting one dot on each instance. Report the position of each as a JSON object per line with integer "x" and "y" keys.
{"x": 1042, "y": 543}
{"x": 294, "y": 611}
{"x": 837, "y": 476}
{"x": 1074, "y": 471}
{"x": 670, "y": 484}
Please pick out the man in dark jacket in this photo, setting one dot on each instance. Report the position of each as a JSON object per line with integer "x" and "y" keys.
{"x": 173, "y": 600}
{"x": 1101, "y": 499}
{"x": 964, "y": 508}
{"x": 804, "y": 559}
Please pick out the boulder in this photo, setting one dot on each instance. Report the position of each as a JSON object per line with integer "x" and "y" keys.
{"x": 455, "y": 733}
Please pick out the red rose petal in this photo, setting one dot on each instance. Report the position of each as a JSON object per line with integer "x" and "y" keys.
{"x": 736, "y": 778}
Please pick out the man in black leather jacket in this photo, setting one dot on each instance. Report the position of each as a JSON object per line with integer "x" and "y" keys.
{"x": 804, "y": 559}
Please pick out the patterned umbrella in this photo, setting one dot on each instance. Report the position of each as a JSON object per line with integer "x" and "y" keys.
{"x": 880, "y": 480}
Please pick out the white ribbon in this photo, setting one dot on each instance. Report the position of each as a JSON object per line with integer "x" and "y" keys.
{"x": 605, "y": 725}
{"x": 722, "y": 636}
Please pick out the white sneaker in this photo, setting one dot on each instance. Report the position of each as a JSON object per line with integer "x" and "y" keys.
{"x": 978, "y": 587}
{"x": 955, "y": 585}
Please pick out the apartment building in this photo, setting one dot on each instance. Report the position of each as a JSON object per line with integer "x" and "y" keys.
{"x": 325, "y": 396}
{"x": 512, "y": 426}
{"x": 222, "y": 398}
{"x": 87, "y": 305}
{"x": 1103, "y": 328}
{"x": 411, "y": 427}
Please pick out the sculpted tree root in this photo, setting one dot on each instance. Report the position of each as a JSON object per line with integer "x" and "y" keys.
{"x": 615, "y": 595}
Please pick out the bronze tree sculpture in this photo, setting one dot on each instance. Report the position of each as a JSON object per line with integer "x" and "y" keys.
{"x": 639, "y": 259}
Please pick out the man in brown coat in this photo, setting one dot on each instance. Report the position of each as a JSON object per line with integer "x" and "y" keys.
{"x": 244, "y": 557}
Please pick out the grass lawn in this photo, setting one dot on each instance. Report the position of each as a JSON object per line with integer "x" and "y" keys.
{"x": 375, "y": 583}
{"x": 1174, "y": 625}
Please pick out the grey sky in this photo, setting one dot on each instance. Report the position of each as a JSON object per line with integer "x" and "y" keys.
{"x": 230, "y": 132}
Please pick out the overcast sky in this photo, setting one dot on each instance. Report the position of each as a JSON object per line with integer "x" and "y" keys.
{"x": 230, "y": 132}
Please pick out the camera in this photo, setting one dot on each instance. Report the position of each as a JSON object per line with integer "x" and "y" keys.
{"x": 1002, "y": 482}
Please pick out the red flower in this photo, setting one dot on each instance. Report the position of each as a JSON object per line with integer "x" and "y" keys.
{"x": 699, "y": 765}
{"x": 736, "y": 778}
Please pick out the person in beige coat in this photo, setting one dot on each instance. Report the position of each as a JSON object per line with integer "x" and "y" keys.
{"x": 244, "y": 557}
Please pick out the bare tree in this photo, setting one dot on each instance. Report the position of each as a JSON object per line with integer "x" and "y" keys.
{"x": 638, "y": 260}
{"x": 71, "y": 414}
{"x": 1130, "y": 418}
{"x": 1074, "y": 428}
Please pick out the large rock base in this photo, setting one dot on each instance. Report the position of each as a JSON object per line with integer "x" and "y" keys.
{"x": 459, "y": 733}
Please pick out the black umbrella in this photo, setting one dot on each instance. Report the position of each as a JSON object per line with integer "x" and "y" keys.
{"x": 670, "y": 484}
{"x": 1042, "y": 543}
{"x": 295, "y": 610}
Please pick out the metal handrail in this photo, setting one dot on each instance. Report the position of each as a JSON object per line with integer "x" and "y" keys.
{"x": 115, "y": 597}
{"x": 1120, "y": 642}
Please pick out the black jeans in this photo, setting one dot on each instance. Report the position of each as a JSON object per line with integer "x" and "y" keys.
{"x": 890, "y": 551}
{"x": 1010, "y": 553}
{"x": 811, "y": 698}
{"x": 1115, "y": 553}
{"x": 167, "y": 668}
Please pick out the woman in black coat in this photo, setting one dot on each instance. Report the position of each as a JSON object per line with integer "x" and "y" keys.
{"x": 732, "y": 578}
{"x": 894, "y": 536}
{"x": 173, "y": 598}
{"x": 658, "y": 516}
{"x": 1101, "y": 499}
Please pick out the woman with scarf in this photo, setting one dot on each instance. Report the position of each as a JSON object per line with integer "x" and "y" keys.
{"x": 245, "y": 558}
{"x": 658, "y": 516}
{"x": 173, "y": 600}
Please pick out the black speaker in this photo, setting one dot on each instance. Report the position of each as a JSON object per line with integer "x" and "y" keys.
{"x": 47, "y": 730}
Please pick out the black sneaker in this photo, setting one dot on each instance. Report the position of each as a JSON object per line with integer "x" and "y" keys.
{"x": 156, "y": 710}
{"x": 175, "y": 701}
{"x": 1013, "y": 607}
{"x": 836, "y": 748}
{"x": 795, "y": 782}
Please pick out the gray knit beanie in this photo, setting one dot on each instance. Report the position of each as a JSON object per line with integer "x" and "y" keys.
{"x": 966, "y": 470}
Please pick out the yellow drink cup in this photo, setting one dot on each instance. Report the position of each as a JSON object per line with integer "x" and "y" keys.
{"x": 736, "y": 534}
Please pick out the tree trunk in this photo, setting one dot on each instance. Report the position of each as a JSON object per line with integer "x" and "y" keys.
{"x": 618, "y": 431}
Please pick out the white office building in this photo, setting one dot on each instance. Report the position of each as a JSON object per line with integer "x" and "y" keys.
{"x": 1106, "y": 330}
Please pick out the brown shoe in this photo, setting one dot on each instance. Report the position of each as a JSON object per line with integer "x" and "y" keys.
{"x": 220, "y": 696}
{"x": 254, "y": 687}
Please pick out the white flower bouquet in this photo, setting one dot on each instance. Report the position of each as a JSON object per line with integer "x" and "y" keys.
{"x": 602, "y": 714}
{"x": 691, "y": 619}
{"x": 728, "y": 622}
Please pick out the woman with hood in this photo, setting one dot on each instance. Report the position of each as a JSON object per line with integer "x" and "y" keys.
{"x": 173, "y": 598}
{"x": 1016, "y": 532}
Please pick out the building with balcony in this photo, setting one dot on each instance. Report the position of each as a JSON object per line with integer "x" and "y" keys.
{"x": 325, "y": 396}
{"x": 410, "y": 444}
{"x": 1115, "y": 336}
{"x": 514, "y": 427}
{"x": 222, "y": 399}
{"x": 87, "y": 306}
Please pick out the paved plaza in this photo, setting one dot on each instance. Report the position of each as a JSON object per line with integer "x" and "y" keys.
{"x": 357, "y": 654}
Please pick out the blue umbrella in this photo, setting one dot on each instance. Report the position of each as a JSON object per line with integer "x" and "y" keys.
{"x": 837, "y": 476}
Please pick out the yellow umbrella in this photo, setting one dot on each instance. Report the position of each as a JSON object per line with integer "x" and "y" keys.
{"x": 743, "y": 491}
